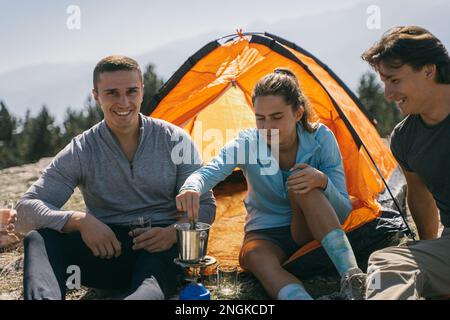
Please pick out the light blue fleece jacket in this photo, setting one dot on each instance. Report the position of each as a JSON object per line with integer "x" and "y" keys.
{"x": 267, "y": 201}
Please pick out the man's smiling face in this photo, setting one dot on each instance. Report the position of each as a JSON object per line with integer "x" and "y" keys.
{"x": 406, "y": 87}
{"x": 120, "y": 94}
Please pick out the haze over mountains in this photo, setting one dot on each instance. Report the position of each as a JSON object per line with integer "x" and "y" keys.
{"x": 336, "y": 37}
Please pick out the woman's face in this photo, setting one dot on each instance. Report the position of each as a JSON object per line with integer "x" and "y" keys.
{"x": 272, "y": 113}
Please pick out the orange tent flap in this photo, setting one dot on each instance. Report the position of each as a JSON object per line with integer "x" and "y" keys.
{"x": 220, "y": 122}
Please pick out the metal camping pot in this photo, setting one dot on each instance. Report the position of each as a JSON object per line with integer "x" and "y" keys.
{"x": 192, "y": 243}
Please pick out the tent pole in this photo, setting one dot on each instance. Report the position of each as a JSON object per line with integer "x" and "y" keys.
{"x": 410, "y": 232}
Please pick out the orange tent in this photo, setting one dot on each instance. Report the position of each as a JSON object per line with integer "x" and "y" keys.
{"x": 212, "y": 91}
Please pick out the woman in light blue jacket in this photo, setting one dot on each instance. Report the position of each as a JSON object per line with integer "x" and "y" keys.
{"x": 296, "y": 189}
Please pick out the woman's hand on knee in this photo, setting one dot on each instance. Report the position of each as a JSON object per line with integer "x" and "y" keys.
{"x": 306, "y": 179}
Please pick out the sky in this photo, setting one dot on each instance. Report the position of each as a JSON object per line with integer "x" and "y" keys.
{"x": 43, "y": 62}
{"x": 36, "y": 32}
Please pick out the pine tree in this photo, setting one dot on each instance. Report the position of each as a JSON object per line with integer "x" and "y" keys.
{"x": 152, "y": 83}
{"x": 92, "y": 112}
{"x": 76, "y": 122}
{"x": 7, "y": 129}
{"x": 7, "y": 125}
{"x": 39, "y": 137}
{"x": 371, "y": 94}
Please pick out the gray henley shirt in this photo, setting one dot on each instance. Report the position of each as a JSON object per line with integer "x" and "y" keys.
{"x": 115, "y": 190}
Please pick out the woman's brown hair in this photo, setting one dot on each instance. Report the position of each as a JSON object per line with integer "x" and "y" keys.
{"x": 283, "y": 82}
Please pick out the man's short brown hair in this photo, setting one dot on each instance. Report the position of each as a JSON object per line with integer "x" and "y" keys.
{"x": 410, "y": 45}
{"x": 115, "y": 63}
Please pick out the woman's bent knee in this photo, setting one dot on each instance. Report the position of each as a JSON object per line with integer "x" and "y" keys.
{"x": 257, "y": 254}
{"x": 249, "y": 256}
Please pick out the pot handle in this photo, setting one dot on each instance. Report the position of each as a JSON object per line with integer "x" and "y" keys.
{"x": 203, "y": 238}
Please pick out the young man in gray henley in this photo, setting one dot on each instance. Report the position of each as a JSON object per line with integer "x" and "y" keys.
{"x": 124, "y": 169}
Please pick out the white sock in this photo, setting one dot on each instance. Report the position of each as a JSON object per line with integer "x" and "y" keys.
{"x": 293, "y": 291}
{"x": 148, "y": 290}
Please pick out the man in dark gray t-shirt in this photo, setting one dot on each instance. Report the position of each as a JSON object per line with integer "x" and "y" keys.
{"x": 415, "y": 68}
{"x": 424, "y": 149}
{"x": 125, "y": 170}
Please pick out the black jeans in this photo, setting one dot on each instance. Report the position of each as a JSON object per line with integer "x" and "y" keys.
{"x": 48, "y": 254}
